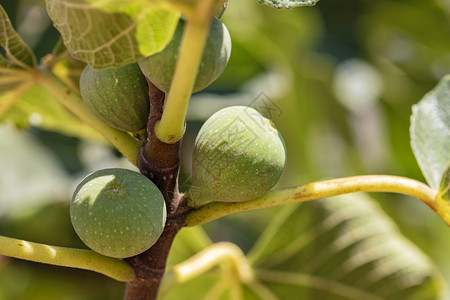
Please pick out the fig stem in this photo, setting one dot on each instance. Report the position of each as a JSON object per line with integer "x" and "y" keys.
{"x": 313, "y": 191}
{"x": 123, "y": 141}
{"x": 66, "y": 257}
{"x": 170, "y": 128}
{"x": 200, "y": 263}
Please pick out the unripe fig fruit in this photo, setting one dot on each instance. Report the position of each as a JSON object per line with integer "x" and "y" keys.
{"x": 160, "y": 67}
{"x": 238, "y": 156}
{"x": 117, "y": 212}
{"x": 117, "y": 96}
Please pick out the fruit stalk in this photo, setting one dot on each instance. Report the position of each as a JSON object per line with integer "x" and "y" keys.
{"x": 170, "y": 128}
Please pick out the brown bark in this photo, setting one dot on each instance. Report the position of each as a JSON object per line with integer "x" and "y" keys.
{"x": 159, "y": 162}
{"x": 150, "y": 265}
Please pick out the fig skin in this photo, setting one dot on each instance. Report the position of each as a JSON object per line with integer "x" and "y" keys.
{"x": 118, "y": 212}
{"x": 117, "y": 96}
{"x": 238, "y": 156}
{"x": 160, "y": 67}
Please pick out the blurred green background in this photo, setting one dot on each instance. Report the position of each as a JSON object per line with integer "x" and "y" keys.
{"x": 338, "y": 80}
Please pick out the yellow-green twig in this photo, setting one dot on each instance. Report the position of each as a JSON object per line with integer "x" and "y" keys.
{"x": 316, "y": 190}
{"x": 66, "y": 257}
{"x": 170, "y": 128}
{"x": 206, "y": 260}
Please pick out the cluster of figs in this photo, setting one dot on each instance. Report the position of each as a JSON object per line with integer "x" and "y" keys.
{"x": 238, "y": 154}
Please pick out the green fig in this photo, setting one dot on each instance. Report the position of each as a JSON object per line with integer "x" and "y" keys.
{"x": 239, "y": 155}
{"x": 160, "y": 67}
{"x": 117, "y": 96}
{"x": 117, "y": 212}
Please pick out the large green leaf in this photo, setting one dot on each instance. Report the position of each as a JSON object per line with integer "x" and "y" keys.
{"x": 430, "y": 132}
{"x": 444, "y": 187}
{"x": 443, "y": 196}
{"x": 17, "y": 59}
{"x": 112, "y": 33}
{"x": 285, "y": 4}
{"x": 24, "y": 103}
{"x": 16, "y": 52}
{"x": 340, "y": 248}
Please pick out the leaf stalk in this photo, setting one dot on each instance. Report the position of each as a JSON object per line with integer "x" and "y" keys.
{"x": 313, "y": 191}
{"x": 66, "y": 257}
{"x": 170, "y": 128}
